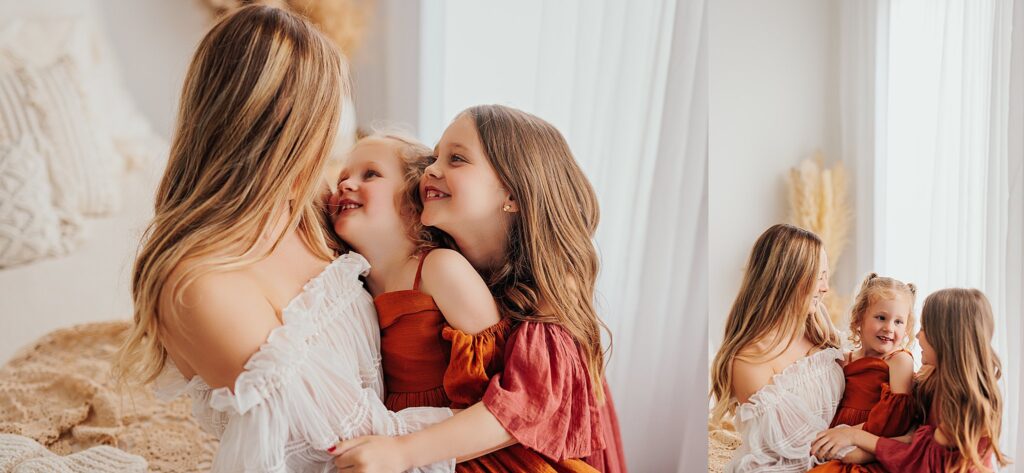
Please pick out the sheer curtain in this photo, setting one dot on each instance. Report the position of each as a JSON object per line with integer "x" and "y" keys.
{"x": 1015, "y": 237}
{"x": 947, "y": 187}
{"x": 627, "y": 85}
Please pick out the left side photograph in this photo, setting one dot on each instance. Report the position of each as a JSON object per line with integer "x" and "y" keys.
{"x": 353, "y": 235}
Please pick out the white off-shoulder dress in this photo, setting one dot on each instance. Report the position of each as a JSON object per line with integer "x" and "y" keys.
{"x": 315, "y": 380}
{"x": 780, "y": 421}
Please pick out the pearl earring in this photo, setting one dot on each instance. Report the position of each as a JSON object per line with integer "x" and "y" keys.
{"x": 507, "y": 208}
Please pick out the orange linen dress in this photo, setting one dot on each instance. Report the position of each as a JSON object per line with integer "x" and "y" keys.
{"x": 868, "y": 399}
{"x": 421, "y": 356}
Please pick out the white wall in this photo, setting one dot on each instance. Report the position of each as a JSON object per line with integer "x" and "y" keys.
{"x": 386, "y": 68}
{"x": 153, "y": 41}
{"x": 773, "y": 101}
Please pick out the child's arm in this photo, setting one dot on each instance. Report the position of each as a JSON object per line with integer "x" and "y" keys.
{"x": 459, "y": 291}
{"x": 901, "y": 373}
{"x": 829, "y": 442}
{"x": 469, "y": 434}
{"x": 858, "y": 456}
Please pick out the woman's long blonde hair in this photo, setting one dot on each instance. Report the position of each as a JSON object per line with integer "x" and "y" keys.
{"x": 551, "y": 254}
{"x": 258, "y": 113}
{"x": 962, "y": 389}
{"x": 780, "y": 279}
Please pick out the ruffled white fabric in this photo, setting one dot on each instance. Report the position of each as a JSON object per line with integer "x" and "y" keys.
{"x": 315, "y": 380}
{"x": 779, "y": 422}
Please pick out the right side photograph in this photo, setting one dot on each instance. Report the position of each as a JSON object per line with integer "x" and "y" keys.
{"x": 866, "y": 236}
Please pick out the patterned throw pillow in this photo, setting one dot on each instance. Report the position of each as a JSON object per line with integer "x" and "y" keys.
{"x": 31, "y": 227}
{"x": 83, "y": 164}
{"x": 42, "y": 39}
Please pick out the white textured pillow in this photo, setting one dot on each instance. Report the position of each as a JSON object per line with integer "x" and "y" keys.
{"x": 31, "y": 227}
{"x": 46, "y": 103}
{"x": 43, "y": 40}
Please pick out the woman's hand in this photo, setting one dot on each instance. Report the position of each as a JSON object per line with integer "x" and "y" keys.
{"x": 827, "y": 444}
{"x": 370, "y": 454}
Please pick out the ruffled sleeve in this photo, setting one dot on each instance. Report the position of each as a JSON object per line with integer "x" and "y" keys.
{"x": 315, "y": 380}
{"x": 893, "y": 415}
{"x": 781, "y": 420}
{"x": 288, "y": 393}
{"x": 544, "y": 397}
{"x": 474, "y": 360}
{"x": 777, "y": 431}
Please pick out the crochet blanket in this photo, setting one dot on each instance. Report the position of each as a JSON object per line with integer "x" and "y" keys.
{"x": 722, "y": 442}
{"x": 58, "y": 392}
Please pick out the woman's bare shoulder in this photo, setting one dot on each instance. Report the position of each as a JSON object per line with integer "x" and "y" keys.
{"x": 749, "y": 374}
{"x": 217, "y": 323}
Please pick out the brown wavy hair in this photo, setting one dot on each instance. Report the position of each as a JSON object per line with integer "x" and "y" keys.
{"x": 777, "y": 285}
{"x": 962, "y": 389}
{"x": 550, "y": 255}
{"x": 873, "y": 289}
{"x": 258, "y": 114}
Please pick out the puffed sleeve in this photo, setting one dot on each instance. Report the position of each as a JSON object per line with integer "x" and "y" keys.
{"x": 544, "y": 397}
{"x": 290, "y": 390}
{"x": 777, "y": 430}
{"x": 313, "y": 381}
{"x": 893, "y": 415}
{"x": 475, "y": 358}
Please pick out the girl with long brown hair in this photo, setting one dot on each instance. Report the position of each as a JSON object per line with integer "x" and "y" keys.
{"x": 237, "y": 301}
{"x": 958, "y": 390}
{"x": 778, "y": 370}
{"x": 506, "y": 190}
{"x": 441, "y": 334}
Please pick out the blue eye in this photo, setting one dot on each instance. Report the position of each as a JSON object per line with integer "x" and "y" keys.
{"x": 431, "y": 160}
{"x": 371, "y": 173}
{"x": 457, "y": 158}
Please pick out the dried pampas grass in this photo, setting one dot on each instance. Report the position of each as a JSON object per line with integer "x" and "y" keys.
{"x": 818, "y": 202}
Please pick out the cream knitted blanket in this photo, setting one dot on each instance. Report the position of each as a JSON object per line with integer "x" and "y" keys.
{"x": 722, "y": 442}
{"x": 58, "y": 392}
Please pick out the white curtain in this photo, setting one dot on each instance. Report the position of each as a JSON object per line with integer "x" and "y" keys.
{"x": 1015, "y": 243}
{"x": 626, "y": 82}
{"x": 947, "y": 186}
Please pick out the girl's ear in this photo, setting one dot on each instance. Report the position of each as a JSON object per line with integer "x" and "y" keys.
{"x": 510, "y": 205}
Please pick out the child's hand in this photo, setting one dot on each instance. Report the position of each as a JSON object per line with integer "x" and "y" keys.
{"x": 829, "y": 443}
{"x": 370, "y": 454}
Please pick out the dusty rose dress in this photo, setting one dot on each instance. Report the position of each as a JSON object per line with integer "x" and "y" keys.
{"x": 427, "y": 363}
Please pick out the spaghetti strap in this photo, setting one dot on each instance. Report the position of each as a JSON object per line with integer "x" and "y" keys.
{"x": 419, "y": 270}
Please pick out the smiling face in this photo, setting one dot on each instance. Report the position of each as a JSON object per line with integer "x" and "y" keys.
{"x": 461, "y": 190}
{"x": 821, "y": 283}
{"x": 366, "y": 200}
{"x": 884, "y": 325}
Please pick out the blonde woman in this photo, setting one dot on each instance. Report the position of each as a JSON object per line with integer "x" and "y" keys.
{"x": 778, "y": 368}
{"x": 239, "y": 301}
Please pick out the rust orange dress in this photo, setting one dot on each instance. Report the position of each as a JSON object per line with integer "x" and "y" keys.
{"x": 868, "y": 399}
{"x": 429, "y": 364}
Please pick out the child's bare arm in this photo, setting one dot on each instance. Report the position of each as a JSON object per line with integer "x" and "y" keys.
{"x": 901, "y": 373}
{"x": 459, "y": 291}
{"x": 858, "y": 456}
